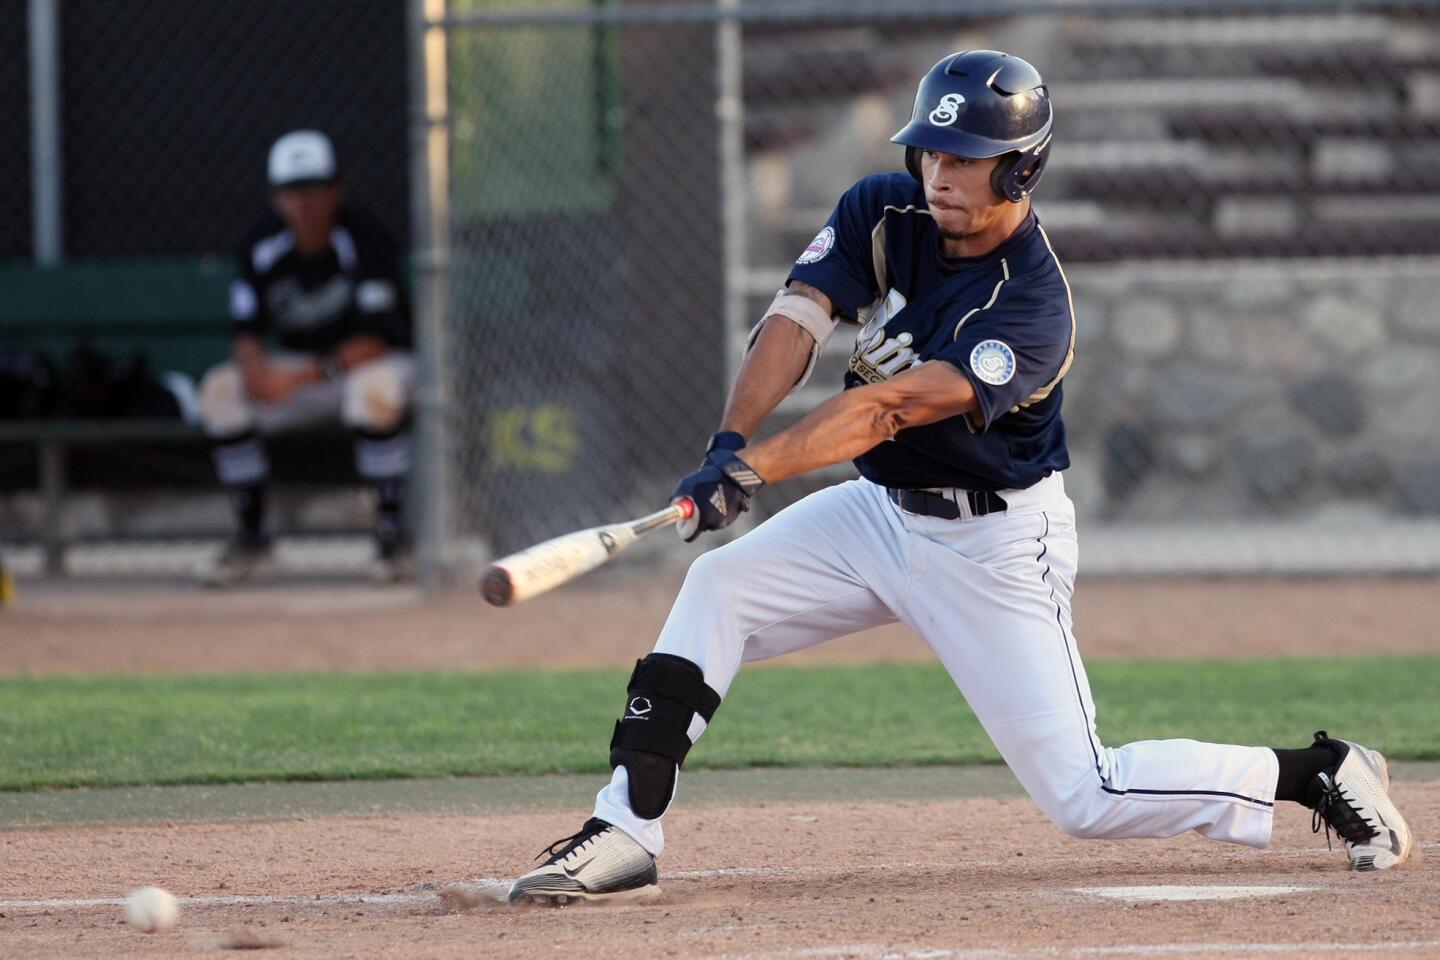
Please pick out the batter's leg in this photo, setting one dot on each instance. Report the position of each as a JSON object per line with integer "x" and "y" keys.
{"x": 994, "y": 602}
{"x": 816, "y": 570}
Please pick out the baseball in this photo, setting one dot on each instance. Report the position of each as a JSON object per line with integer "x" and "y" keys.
{"x": 152, "y": 910}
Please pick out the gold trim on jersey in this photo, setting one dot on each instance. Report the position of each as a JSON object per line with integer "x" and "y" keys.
{"x": 878, "y": 262}
{"x": 1046, "y": 390}
{"x": 994, "y": 295}
{"x": 972, "y": 422}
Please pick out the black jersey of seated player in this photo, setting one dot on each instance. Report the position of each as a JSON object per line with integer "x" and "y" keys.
{"x": 1004, "y": 319}
{"x": 312, "y": 304}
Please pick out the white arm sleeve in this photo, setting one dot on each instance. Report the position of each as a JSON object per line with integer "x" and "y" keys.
{"x": 808, "y": 315}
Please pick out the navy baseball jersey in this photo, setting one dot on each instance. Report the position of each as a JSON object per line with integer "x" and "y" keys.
{"x": 1004, "y": 319}
{"x": 311, "y": 304}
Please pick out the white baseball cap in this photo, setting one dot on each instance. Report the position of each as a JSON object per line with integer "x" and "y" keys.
{"x": 299, "y": 156}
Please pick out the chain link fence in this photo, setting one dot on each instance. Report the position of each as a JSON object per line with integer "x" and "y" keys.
{"x": 133, "y": 163}
{"x": 1245, "y": 200}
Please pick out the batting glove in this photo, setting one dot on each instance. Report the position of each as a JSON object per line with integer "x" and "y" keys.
{"x": 725, "y": 440}
{"x": 721, "y": 490}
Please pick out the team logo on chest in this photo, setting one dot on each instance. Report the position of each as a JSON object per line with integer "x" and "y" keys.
{"x": 993, "y": 361}
{"x": 878, "y": 357}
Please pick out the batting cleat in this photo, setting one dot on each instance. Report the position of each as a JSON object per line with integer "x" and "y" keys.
{"x": 600, "y": 863}
{"x": 244, "y": 557}
{"x": 1355, "y": 802}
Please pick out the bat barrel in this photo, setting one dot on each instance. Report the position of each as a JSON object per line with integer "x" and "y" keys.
{"x": 496, "y": 586}
{"x": 544, "y": 566}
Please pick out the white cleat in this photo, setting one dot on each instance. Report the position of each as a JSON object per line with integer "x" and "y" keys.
{"x": 600, "y": 863}
{"x": 1355, "y": 802}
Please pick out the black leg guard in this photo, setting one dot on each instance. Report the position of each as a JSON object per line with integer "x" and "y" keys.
{"x": 652, "y": 737}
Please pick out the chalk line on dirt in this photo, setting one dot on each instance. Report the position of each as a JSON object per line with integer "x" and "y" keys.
{"x": 487, "y": 884}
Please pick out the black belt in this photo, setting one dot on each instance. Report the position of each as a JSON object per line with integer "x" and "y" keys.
{"x": 928, "y": 504}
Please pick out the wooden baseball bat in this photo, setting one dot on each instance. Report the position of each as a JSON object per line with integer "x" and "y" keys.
{"x": 545, "y": 566}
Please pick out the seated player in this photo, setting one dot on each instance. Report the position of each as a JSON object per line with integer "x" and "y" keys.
{"x": 322, "y": 334}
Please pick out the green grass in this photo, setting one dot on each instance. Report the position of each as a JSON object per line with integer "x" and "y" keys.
{"x": 92, "y": 731}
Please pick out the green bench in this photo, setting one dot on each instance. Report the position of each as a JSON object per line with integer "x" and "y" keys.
{"x": 173, "y": 311}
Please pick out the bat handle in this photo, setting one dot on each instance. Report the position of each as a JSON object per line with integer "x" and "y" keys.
{"x": 682, "y": 509}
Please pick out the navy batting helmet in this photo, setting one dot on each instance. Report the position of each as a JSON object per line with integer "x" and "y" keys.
{"x": 983, "y": 103}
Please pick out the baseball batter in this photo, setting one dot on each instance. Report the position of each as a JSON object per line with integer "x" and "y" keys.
{"x": 959, "y": 526}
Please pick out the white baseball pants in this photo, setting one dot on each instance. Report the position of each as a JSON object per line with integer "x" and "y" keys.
{"x": 372, "y": 397}
{"x": 991, "y": 596}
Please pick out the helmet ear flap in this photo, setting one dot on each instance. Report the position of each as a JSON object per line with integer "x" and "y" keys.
{"x": 1017, "y": 173}
{"x": 1001, "y": 172}
{"x": 912, "y": 163}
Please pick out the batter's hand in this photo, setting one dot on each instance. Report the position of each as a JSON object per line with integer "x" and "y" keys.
{"x": 721, "y": 490}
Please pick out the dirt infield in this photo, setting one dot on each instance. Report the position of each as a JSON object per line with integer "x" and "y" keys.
{"x": 984, "y": 878}
{"x": 977, "y": 878}
{"x": 609, "y": 621}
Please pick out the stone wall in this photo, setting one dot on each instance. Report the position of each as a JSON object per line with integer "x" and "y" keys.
{"x": 1255, "y": 390}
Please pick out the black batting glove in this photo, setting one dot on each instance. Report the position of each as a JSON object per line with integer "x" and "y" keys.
{"x": 724, "y": 440}
{"x": 721, "y": 490}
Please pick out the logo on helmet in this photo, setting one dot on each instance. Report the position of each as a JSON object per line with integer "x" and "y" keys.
{"x": 948, "y": 110}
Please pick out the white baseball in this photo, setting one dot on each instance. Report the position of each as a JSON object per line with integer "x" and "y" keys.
{"x": 152, "y": 910}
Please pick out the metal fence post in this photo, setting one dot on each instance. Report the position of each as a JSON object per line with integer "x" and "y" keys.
{"x": 429, "y": 204}
{"x": 46, "y": 168}
{"x": 730, "y": 115}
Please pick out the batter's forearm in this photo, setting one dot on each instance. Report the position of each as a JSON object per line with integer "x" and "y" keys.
{"x": 840, "y": 429}
{"x": 770, "y": 370}
{"x": 855, "y": 421}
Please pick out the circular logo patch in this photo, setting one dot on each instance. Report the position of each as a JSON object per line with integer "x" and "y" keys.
{"x": 821, "y": 245}
{"x": 993, "y": 361}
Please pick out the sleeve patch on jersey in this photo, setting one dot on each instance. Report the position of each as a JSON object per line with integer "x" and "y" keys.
{"x": 993, "y": 361}
{"x": 822, "y": 244}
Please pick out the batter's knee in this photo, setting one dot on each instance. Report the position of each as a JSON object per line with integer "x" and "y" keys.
{"x": 730, "y": 567}
{"x": 1083, "y": 827}
{"x": 224, "y": 409}
{"x": 1083, "y": 813}
{"x": 377, "y": 394}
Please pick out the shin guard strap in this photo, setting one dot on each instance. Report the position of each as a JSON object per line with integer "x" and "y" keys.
{"x": 674, "y": 678}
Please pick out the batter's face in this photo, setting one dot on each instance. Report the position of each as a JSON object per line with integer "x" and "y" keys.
{"x": 310, "y": 211}
{"x": 973, "y": 219}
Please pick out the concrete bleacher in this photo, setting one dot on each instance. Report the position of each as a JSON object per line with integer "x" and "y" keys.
{"x": 1205, "y": 137}
{"x": 1285, "y": 136}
